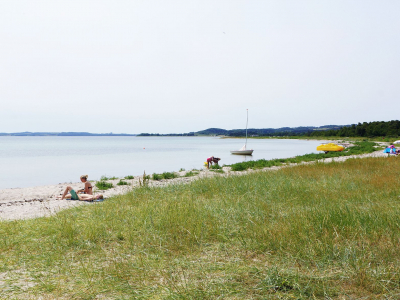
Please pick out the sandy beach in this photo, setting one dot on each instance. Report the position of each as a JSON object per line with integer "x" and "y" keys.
{"x": 39, "y": 201}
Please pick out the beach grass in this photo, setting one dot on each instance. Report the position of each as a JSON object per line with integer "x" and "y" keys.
{"x": 319, "y": 231}
{"x": 122, "y": 182}
{"x": 103, "y": 185}
{"x": 164, "y": 175}
{"x": 215, "y": 167}
{"x": 191, "y": 173}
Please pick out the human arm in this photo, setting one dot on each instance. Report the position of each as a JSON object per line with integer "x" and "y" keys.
{"x": 88, "y": 188}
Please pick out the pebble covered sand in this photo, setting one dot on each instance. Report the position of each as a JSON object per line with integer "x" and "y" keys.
{"x": 33, "y": 202}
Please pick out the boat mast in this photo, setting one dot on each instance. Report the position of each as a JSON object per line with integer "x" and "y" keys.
{"x": 246, "y": 124}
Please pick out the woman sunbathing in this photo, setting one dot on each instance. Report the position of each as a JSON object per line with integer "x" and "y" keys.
{"x": 88, "y": 186}
{"x": 70, "y": 193}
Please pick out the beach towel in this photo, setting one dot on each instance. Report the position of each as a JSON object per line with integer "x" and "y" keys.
{"x": 98, "y": 200}
{"x": 95, "y": 200}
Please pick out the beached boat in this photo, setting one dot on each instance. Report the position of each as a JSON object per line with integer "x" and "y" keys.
{"x": 330, "y": 147}
{"x": 244, "y": 150}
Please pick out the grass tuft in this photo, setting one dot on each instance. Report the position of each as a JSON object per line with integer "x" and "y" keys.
{"x": 165, "y": 175}
{"x": 103, "y": 185}
{"x": 121, "y": 182}
{"x": 191, "y": 173}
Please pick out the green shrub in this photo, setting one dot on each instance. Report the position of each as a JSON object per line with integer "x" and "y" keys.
{"x": 156, "y": 176}
{"x": 103, "y": 185}
{"x": 165, "y": 175}
{"x": 104, "y": 178}
{"x": 168, "y": 175}
{"x": 129, "y": 177}
{"x": 121, "y": 182}
{"x": 215, "y": 167}
{"x": 191, "y": 173}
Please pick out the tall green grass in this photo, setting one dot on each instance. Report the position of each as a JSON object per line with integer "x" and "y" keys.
{"x": 321, "y": 231}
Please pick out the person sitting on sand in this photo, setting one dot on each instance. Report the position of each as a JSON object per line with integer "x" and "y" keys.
{"x": 70, "y": 193}
{"x": 88, "y": 186}
{"x": 212, "y": 160}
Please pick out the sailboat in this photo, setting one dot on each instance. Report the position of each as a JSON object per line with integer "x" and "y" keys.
{"x": 243, "y": 150}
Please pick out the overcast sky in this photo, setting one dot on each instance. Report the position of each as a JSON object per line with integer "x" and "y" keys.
{"x": 179, "y": 66}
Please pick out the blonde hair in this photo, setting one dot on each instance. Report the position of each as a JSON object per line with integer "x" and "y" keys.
{"x": 85, "y": 176}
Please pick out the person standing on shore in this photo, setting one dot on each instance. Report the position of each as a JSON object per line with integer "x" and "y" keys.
{"x": 70, "y": 193}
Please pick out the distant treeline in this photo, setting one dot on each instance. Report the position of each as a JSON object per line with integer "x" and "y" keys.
{"x": 284, "y": 131}
{"x": 27, "y": 133}
{"x": 365, "y": 129}
{"x": 167, "y": 134}
{"x": 372, "y": 129}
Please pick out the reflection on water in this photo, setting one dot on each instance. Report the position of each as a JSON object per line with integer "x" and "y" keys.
{"x": 245, "y": 157}
{"x": 31, "y": 161}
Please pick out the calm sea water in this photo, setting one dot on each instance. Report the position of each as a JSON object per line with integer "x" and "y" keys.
{"x": 33, "y": 161}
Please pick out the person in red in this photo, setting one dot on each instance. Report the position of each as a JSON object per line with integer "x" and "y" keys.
{"x": 212, "y": 160}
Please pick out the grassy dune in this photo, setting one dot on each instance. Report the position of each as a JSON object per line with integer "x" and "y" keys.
{"x": 313, "y": 231}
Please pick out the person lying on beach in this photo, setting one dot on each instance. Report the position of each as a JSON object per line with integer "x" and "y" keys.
{"x": 82, "y": 197}
{"x": 86, "y": 197}
{"x": 212, "y": 160}
{"x": 86, "y": 190}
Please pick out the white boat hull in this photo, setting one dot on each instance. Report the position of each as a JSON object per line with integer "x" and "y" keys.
{"x": 242, "y": 152}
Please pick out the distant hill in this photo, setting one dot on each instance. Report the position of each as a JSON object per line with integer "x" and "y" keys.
{"x": 365, "y": 129}
{"x": 212, "y": 131}
{"x": 27, "y": 133}
{"x": 283, "y": 131}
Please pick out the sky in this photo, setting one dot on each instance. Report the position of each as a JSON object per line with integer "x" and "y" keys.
{"x": 179, "y": 66}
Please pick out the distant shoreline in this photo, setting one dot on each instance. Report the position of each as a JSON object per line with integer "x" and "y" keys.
{"x": 64, "y": 134}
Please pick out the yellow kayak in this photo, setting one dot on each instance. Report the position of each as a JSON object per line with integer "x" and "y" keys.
{"x": 330, "y": 147}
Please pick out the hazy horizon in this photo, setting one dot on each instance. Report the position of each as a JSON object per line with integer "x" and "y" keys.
{"x": 136, "y": 133}
{"x": 156, "y": 66}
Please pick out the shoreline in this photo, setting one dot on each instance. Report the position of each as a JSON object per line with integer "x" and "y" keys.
{"x": 40, "y": 201}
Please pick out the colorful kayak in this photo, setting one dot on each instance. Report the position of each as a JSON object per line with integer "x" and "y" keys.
{"x": 330, "y": 147}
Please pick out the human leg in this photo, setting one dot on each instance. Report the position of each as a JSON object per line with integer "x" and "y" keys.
{"x": 66, "y": 192}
